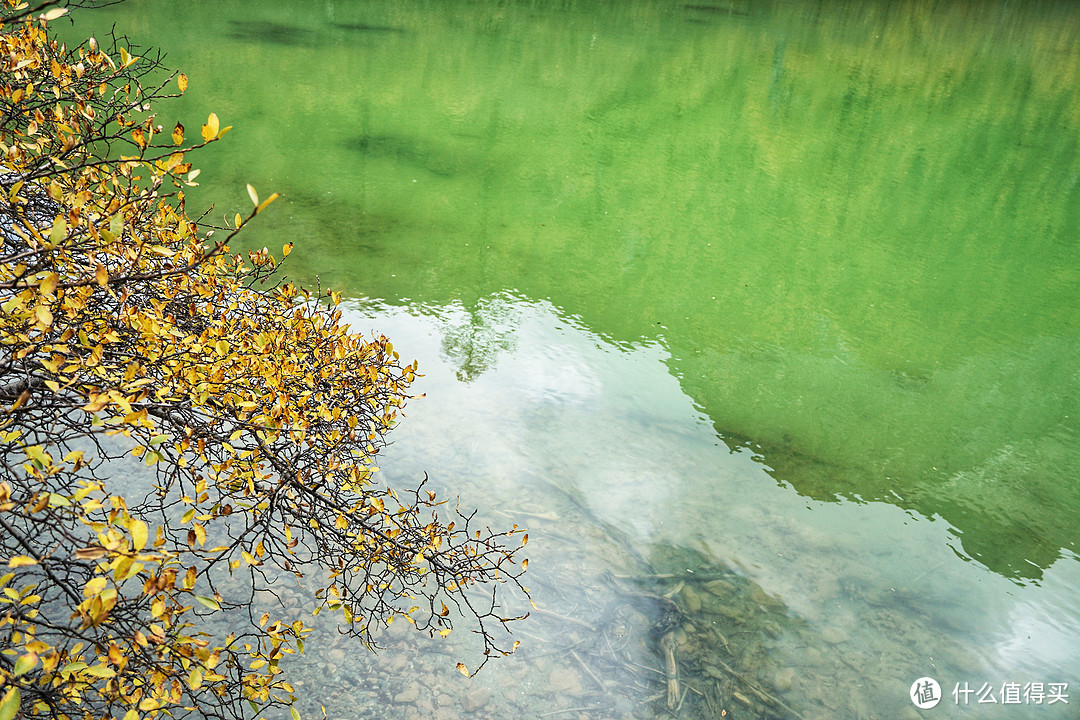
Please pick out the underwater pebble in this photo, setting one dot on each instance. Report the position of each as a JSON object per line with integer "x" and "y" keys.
{"x": 730, "y": 612}
{"x": 719, "y": 588}
{"x": 475, "y": 699}
{"x": 834, "y": 635}
{"x": 409, "y": 695}
{"x": 564, "y": 681}
{"x": 784, "y": 679}
{"x": 691, "y": 600}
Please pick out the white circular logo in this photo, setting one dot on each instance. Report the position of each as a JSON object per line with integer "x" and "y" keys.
{"x": 925, "y": 693}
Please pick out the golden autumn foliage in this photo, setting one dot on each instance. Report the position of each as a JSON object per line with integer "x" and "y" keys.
{"x": 128, "y": 333}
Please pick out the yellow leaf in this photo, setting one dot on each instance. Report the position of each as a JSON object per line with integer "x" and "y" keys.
{"x": 95, "y": 586}
{"x": 90, "y": 553}
{"x": 10, "y": 704}
{"x": 59, "y": 230}
{"x": 100, "y": 671}
{"x": 210, "y": 129}
{"x": 101, "y": 275}
{"x": 21, "y": 561}
{"x": 286, "y": 249}
{"x": 208, "y": 602}
{"x": 25, "y": 396}
{"x": 182, "y": 82}
{"x": 253, "y": 195}
{"x": 138, "y": 534}
{"x": 462, "y": 669}
{"x": 58, "y": 500}
{"x": 295, "y": 714}
{"x": 54, "y": 14}
{"x": 44, "y": 316}
{"x": 25, "y": 663}
{"x": 266, "y": 202}
{"x": 178, "y": 133}
{"x": 96, "y": 404}
{"x": 122, "y": 569}
{"x": 195, "y": 678}
{"x": 238, "y": 220}
{"x": 131, "y": 714}
{"x": 48, "y": 285}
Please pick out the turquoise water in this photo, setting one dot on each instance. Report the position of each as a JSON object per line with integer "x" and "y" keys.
{"x": 779, "y": 295}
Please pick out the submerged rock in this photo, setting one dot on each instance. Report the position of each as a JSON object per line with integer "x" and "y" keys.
{"x": 409, "y": 695}
{"x": 564, "y": 681}
{"x": 720, "y": 588}
{"x": 691, "y": 600}
{"x": 834, "y": 635}
{"x": 475, "y": 699}
{"x": 784, "y": 679}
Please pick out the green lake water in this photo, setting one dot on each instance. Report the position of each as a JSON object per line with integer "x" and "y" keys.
{"x": 769, "y": 309}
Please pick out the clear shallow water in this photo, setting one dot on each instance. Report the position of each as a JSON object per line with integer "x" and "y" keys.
{"x": 619, "y": 476}
{"x": 784, "y": 294}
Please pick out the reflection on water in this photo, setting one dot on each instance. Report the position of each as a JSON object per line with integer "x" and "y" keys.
{"x": 651, "y": 539}
{"x": 853, "y": 225}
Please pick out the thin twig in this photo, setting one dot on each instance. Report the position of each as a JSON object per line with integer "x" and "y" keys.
{"x": 567, "y": 710}
{"x": 755, "y": 689}
{"x": 587, "y": 670}
{"x": 567, "y": 618}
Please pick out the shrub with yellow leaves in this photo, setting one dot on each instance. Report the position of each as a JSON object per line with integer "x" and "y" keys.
{"x": 127, "y": 330}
